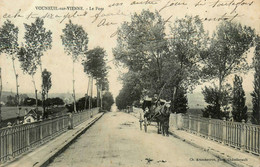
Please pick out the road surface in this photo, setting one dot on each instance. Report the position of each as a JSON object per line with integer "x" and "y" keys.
{"x": 116, "y": 140}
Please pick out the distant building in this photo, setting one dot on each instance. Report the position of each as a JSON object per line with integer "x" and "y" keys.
{"x": 31, "y": 116}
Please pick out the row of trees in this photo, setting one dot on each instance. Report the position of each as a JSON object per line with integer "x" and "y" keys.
{"x": 27, "y": 101}
{"x": 75, "y": 41}
{"x": 82, "y": 103}
{"x": 37, "y": 40}
{"x": 173, "y": 64}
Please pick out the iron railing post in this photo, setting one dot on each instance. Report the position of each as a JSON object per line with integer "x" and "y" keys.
{"x": 243, "y": 136}
{"x": 209, "y": 128}
{"x": 190, "y": 123}
{"x": 70, "y": 121}
{"x": 198, "y": 125}
{"x": 224, "y": 130}
{"x": 41, "y": 131}
{"x": 10, "y": 141}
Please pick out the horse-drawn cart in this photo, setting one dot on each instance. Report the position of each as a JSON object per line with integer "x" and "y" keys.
{"x": 158, "y": 112}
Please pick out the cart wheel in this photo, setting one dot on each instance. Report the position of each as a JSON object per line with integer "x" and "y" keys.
{"x": 145, "y": 124}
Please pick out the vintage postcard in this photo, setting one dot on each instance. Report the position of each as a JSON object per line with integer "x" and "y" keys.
{"x": 129, "y": 83}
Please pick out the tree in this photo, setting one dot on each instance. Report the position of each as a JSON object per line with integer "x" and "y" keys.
{"x": 142, "y": 48}
{"x": 239, "y": 108}
{"x": 95, "y": 65}
{"x": 28, "y": 61}
{"x": 37, "y": 40}
{"x": 11, "y": 101}
{"x": 188, "y": 41}
{"x": 30, "y": 101}
{"x": 46, "y": 81}
{"x": 1, "y": 87}
{"x": 181, "y": 101}
{"x": 131, "y": 91}
{"x": 226, "y": 53}
{"x": 256, "y": 92}
{"x": 9, "y": 46}
{"x": 108, "y": 101}
{"x": 213, "y": 97}
{"x": 75, "y": 41}
{"x": 54, "y": 101}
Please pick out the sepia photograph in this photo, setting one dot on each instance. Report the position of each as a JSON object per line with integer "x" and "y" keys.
{"x": 130, "y": 83}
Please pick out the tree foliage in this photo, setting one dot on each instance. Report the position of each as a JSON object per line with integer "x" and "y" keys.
{"x": 9, "y": 38}
{"x": 131, "y": 91}
{"x": 239, "y": 108}
{"x": 108, "y": 101}
{"x": 188, "y": 41}
{"x": 9, "y": 46}
{"x": 31, "y": 101}
{"x": 226, "y": 55}
{"x": 256, "y": 92}
{"x": 142, "y": 47}
{"x": 46, "y": 80}
{"x": 28, "y": 60}
{"x": 54, "y": 101}
{"x": 218, "y": 102}
{"x": 181, "y": 101}
{"x": 95, "y": 65}
{"x": 37, "y": 39}
{"x": 75, "y": 40}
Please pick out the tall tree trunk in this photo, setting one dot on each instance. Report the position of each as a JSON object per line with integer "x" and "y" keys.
{"x": 17, "y": 89}
{"x": 36, "y": 98}
{"x": 97, "y": 94}
{"x": 218, "y": 107}
{"x": 89, "y": 98}
{"x": 0, "y": 95}
{"x": 159, "y": 75}
{"x": 73, "y": 84}
{"x": 86, "y": 96}
{"x": 92, "y": 92}
{"x": 101, "y": 99}
{"x": 43, "y": 94}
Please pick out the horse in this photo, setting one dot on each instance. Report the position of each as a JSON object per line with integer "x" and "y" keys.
{"x": 159, "y": 114}
{"x": 164, "y": 117}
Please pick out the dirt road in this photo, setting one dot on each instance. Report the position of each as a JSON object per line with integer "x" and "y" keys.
{"x": 116, "y": 140}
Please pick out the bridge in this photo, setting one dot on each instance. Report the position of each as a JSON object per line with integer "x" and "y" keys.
{"x": 98, "y": 139}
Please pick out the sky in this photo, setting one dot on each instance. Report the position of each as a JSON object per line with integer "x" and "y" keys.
{"x": 100, "y": 19}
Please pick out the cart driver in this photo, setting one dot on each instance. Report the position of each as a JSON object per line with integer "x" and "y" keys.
{"x": 155, "y": 100}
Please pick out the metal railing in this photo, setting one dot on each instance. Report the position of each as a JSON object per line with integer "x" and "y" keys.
{"x": 245, "y": 137}
{"x": 80, "y": 117}
{"x": 16, "y": 140}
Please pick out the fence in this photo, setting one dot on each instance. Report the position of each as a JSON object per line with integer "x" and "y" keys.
{"x": 78, "y": 118}
{"x": 15, "y": 140}
{"x": 239, "y": 135}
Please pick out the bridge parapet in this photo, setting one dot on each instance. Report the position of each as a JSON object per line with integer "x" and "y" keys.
{"x": 18, "y": 139}
{"x": 243, "y": 136}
